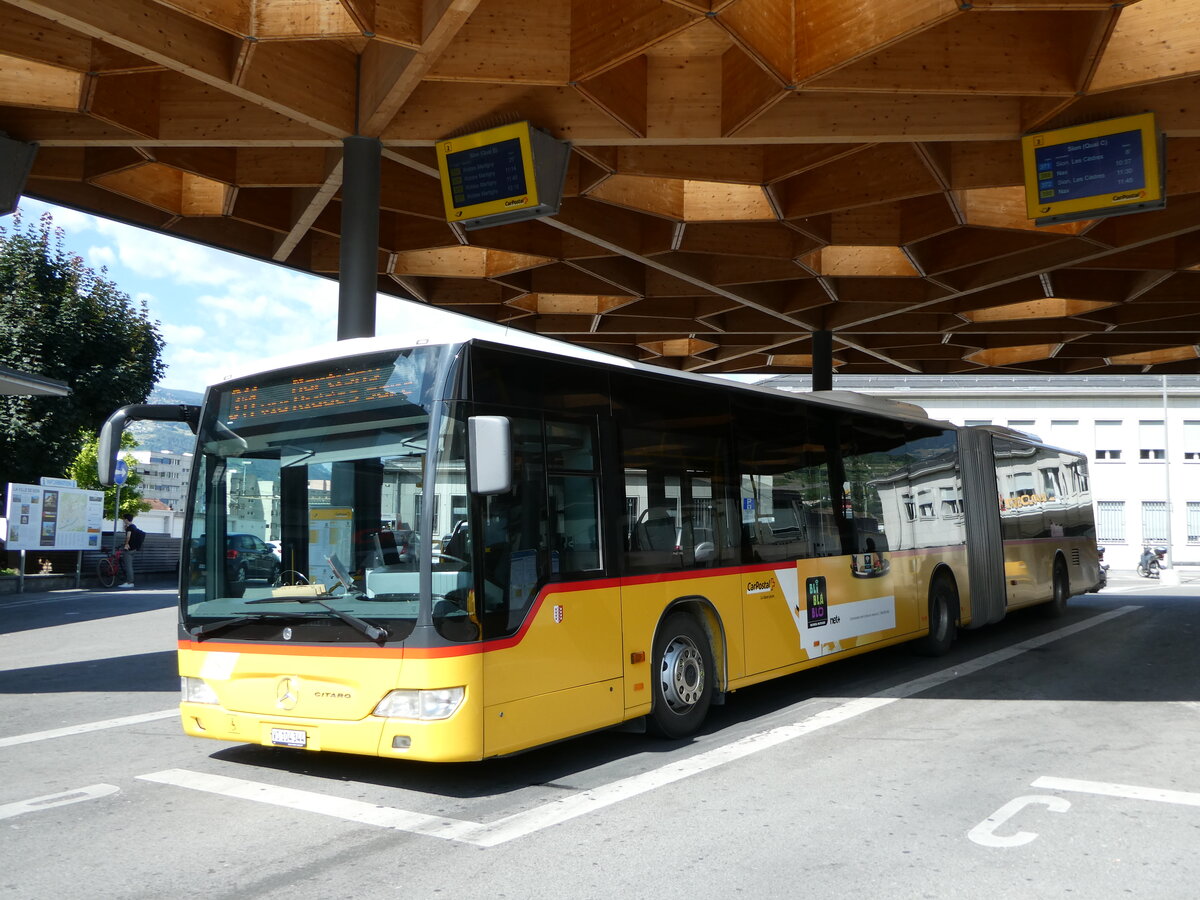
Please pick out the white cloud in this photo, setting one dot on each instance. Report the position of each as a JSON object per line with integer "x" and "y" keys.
{"x": 160, "y": 256}
{"x": 182, "y": 335}
{"x": 101, "y": 256}
{"x": 68, "y": 220}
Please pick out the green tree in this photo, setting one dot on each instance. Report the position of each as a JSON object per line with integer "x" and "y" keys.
{"x": 61, "y": 320}
{"x": 83, "y": 470}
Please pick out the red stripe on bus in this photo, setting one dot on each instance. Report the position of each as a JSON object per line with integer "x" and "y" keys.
{"x": 509, "y": 641}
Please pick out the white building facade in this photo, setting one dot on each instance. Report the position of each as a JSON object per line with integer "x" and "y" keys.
{"x": 165, "y": 475}
{"x": 1141, "y": 434}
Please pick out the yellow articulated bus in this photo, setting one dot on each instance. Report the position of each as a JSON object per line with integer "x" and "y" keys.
{"x": 460, "y": 551}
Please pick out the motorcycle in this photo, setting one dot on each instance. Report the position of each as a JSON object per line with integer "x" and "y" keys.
{"x": 1152, "y": 561}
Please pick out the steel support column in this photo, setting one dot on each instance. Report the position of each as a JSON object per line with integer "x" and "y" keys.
{"x": 358, "y": 276}
{"x": 822, "y": 361}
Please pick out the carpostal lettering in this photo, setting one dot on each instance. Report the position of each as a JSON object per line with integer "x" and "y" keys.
{"x": 516, "y": 201}
{"x": 1136, "y": 195}
{"x": 1022, "y": 501}
{"x": 760, "y": 587}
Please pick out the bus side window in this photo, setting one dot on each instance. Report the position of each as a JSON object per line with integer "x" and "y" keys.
{"x": 575, "y": 524}
{"x": 514, "y": 535}
{"x": 573, "y": 493}
{"x": 895, "y": 473}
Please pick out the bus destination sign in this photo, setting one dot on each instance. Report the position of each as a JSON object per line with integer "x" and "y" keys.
{"x": 1091, "y": 171}
{"x": 364, "y": 387}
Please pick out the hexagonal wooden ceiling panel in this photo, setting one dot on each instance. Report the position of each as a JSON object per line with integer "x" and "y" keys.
{"x": 743, "y": 173}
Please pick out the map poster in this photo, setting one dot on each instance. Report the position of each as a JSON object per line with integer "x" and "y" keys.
{"x": 54, "y": 518}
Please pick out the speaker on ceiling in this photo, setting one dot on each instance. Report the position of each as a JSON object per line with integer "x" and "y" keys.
{"x": 16, "y": 159}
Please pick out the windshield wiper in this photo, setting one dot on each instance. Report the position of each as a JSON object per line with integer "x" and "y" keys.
{"x": 374, "y": 632}
{"x": 207, "y": 628}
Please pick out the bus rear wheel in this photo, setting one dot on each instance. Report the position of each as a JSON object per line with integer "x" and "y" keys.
{"x": 1061, "y": 592}
{"x": 943, "y": 615}
{"x": 683, "y": 677}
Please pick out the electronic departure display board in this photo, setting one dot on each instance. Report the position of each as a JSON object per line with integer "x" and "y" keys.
{"x": 505, "y": 174}
{"x": 485, "y": 174}
{"x": 1089, "y": 171}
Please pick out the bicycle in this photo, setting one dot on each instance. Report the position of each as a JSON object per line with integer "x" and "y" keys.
{"x": 109, "y": 568}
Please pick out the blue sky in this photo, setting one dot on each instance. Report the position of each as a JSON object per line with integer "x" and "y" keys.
{"x": 219, "y": 312}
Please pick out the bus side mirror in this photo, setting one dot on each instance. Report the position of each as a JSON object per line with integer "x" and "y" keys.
{"x": 490, "y": 448}
{"x": 108, "y": 444}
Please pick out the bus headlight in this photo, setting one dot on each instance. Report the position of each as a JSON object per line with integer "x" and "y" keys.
{"x": 409, "y": 704}
{"x": 194, "y": 690}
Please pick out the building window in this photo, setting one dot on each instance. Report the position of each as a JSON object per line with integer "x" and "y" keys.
{"x": 951, "y": 503}
{"x": 977, "y": 422}
{"x": 1191, "y": 441}
{"x": 1110, "y": 521}
{"x": 1066, "y": 433}
{"x": 925, "y": 504}
{"x": 1154, "y": 521}
{"x": 1152, "y": 439}
{"x": 1052, "y": 485}
{"x": 1025, "y": 425}
{"x": 1193, "y": 522}
{"x": 1021, "y": 484}
{"x": 1108, "y": 440}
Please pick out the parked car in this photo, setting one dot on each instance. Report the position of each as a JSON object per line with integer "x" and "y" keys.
{"x": 246, "y": 556}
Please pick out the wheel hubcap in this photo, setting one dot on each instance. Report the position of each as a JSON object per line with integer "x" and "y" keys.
{"x": 682, "y": 675}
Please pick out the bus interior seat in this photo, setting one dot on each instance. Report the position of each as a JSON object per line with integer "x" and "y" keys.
{"x": 385, "y": 547}
{"x": 656, "y": 530}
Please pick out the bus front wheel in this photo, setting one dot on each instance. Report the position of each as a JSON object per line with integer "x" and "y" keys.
{"x": 943, "y": 615}
{"x": 683, "y": 677}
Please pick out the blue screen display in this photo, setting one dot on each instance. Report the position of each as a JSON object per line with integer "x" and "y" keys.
{"x": 484, "y": 174}
{"x": 1109, "y": 164}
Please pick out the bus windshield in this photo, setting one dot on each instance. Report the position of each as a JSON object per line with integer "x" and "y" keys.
{"x": 314, "y": 515}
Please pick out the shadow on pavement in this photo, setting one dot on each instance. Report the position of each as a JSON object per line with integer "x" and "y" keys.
{"x": 23, "y": 612}
{"x": 1160, "y": 633}
{"x": 137, "y": 673}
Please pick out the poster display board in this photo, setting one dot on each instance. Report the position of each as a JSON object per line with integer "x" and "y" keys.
{"x": 53, "y": 518}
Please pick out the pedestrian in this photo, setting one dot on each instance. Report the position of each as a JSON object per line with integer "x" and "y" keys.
{"x": 134, "y": 538}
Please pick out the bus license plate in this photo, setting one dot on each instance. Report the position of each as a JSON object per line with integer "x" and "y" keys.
{"x": 289, "y": 737}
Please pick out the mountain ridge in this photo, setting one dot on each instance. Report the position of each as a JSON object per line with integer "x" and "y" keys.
{"x": 171, "y": 436}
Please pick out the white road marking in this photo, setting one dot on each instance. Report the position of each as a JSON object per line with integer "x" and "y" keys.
{"x": 969, "y": 668}
{"x": 584, "y": 802}
{"x": 310, "y": 801}
{"x": 1127, "y": 791}
{"x": 49, "y": 801}
{"x": 86, "y": 727}
{"x": 575, "y": 805}
{"x": 985, "y": 832}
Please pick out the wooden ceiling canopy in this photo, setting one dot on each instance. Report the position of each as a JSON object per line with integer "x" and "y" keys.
{"x": 743, "y": 172}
